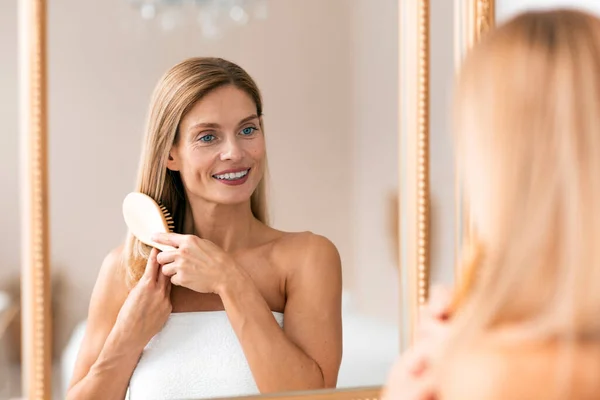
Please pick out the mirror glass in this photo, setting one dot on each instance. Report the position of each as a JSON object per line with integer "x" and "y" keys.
{"x": 328, "y": 74}
{"x": 9, "y": 205}
{"x": 442, "y": 178}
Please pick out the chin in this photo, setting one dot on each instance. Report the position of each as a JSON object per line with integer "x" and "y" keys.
{"x": 231, "y": 201}
{"x": 242, "y": 196}
{"x": 220, "y": 193}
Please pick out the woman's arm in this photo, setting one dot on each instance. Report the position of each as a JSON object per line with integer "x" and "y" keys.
{"x": 307, "y": 353}
{"x": 103, "y": 365}
{"x": 115, "y": 333}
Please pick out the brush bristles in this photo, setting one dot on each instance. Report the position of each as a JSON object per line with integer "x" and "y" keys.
{"x": 168, "y": 218}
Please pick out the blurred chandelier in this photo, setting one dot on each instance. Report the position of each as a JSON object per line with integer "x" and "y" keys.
{"x": 212, "y": 16}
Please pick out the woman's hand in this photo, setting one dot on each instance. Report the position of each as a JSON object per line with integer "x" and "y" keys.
{"x": 147, "y": 306}
{"x": 196, "y": 263}
{"x": 411, "y": 378}
{"x": 432, "y": 324}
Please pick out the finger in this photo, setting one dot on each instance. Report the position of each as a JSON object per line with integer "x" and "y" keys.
{"x": 161, "y": 280}
{"x": 151, "y": 271}
{"x": 165, "y": 257}
{"x": 170, "y": 239}
{"x": 168, "y": 288}
{"x": 439, "y": 302}
{"x": 168, "y": 269}
{"x": 164, "y": 283}
{"x": 403, "y": 382}
{"x": 422, "y": 329}
{"x": 175, "y": 280}
{"x": 414, "y": 388}
{"x": 416, "y": 361}
{"x": 422, "y": 388}
{"x": 432, "y": 338}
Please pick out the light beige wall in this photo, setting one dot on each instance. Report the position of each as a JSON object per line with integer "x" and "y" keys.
{"x": 328, "y": 72}
{"x": 103, "y": 64}
{"x": 375, "y": 122}
{"x": 9, "y": 199}
{"x": 442, "y": 176}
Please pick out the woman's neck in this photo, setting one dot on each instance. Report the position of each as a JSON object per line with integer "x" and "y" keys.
{"x": 228, "y": 226}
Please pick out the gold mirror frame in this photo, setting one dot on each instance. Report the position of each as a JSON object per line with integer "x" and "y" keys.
{"x": 414, "y": 183}
{"x": 414, "y": 155}
{"x": 35, "y": 280}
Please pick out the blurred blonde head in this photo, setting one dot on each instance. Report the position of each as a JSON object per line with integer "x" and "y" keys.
{"x": 528, "y": 143}
{"x": 174, "y": 96}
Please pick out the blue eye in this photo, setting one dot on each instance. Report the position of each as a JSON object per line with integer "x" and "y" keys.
{"x": 207, "y": 138}
{"x": 248, "y": 131}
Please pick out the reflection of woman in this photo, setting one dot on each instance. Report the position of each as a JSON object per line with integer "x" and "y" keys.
{"x": 528, "y": 132}
{"x": 207, "y": 318}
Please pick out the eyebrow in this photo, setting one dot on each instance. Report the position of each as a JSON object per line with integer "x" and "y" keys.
{"x": 215, "y": 125}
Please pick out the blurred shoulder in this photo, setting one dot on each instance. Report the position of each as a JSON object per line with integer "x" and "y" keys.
{"x": 490, "y": 369}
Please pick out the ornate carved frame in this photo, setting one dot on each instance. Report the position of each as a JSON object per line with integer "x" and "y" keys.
{"x": 414, "y": 183}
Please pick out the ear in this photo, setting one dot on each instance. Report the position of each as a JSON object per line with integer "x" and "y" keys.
{"x": 173, "y": 160}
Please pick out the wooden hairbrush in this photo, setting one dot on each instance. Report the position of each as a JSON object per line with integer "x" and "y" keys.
{"x": 145, "y": 217}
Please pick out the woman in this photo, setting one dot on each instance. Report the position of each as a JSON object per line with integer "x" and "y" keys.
{"x": 528, "y": 139}
{"x": 206, "y": 319}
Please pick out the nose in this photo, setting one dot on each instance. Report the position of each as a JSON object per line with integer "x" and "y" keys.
{"x": 232, "y": 151}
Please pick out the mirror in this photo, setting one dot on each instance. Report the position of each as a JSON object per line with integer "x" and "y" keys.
{"x": 443, "y": 182}
{"x": 9, "y": 206}
{"x": 328, "y": 73}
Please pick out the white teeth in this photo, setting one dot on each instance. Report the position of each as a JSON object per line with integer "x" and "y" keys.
{"x": 232, "y": 176}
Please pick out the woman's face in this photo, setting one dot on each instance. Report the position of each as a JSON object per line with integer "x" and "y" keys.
{"x": 220, "y": 152}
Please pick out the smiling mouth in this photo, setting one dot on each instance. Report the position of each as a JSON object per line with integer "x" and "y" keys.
{"x": 232, "y": 176}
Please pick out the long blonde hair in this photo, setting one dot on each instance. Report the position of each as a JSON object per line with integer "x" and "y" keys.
{"x": 528, "y": 143}
{"x": 175, "y": 94}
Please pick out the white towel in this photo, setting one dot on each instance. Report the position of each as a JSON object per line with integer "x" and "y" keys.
{"x": 195, "y": 355}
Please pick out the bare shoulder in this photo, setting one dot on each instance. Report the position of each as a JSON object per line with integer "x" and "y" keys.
{"x": 113, "y": 261}
{"x": 110, "y": 290}
{"x": 303, "y": 241}
{"x": 307, "y": 250}
{"x": 492, "y": 370}
{"x": 108, "y": 295}
{"x": 112, "y": 270}
{"x": 313, "y": 299}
